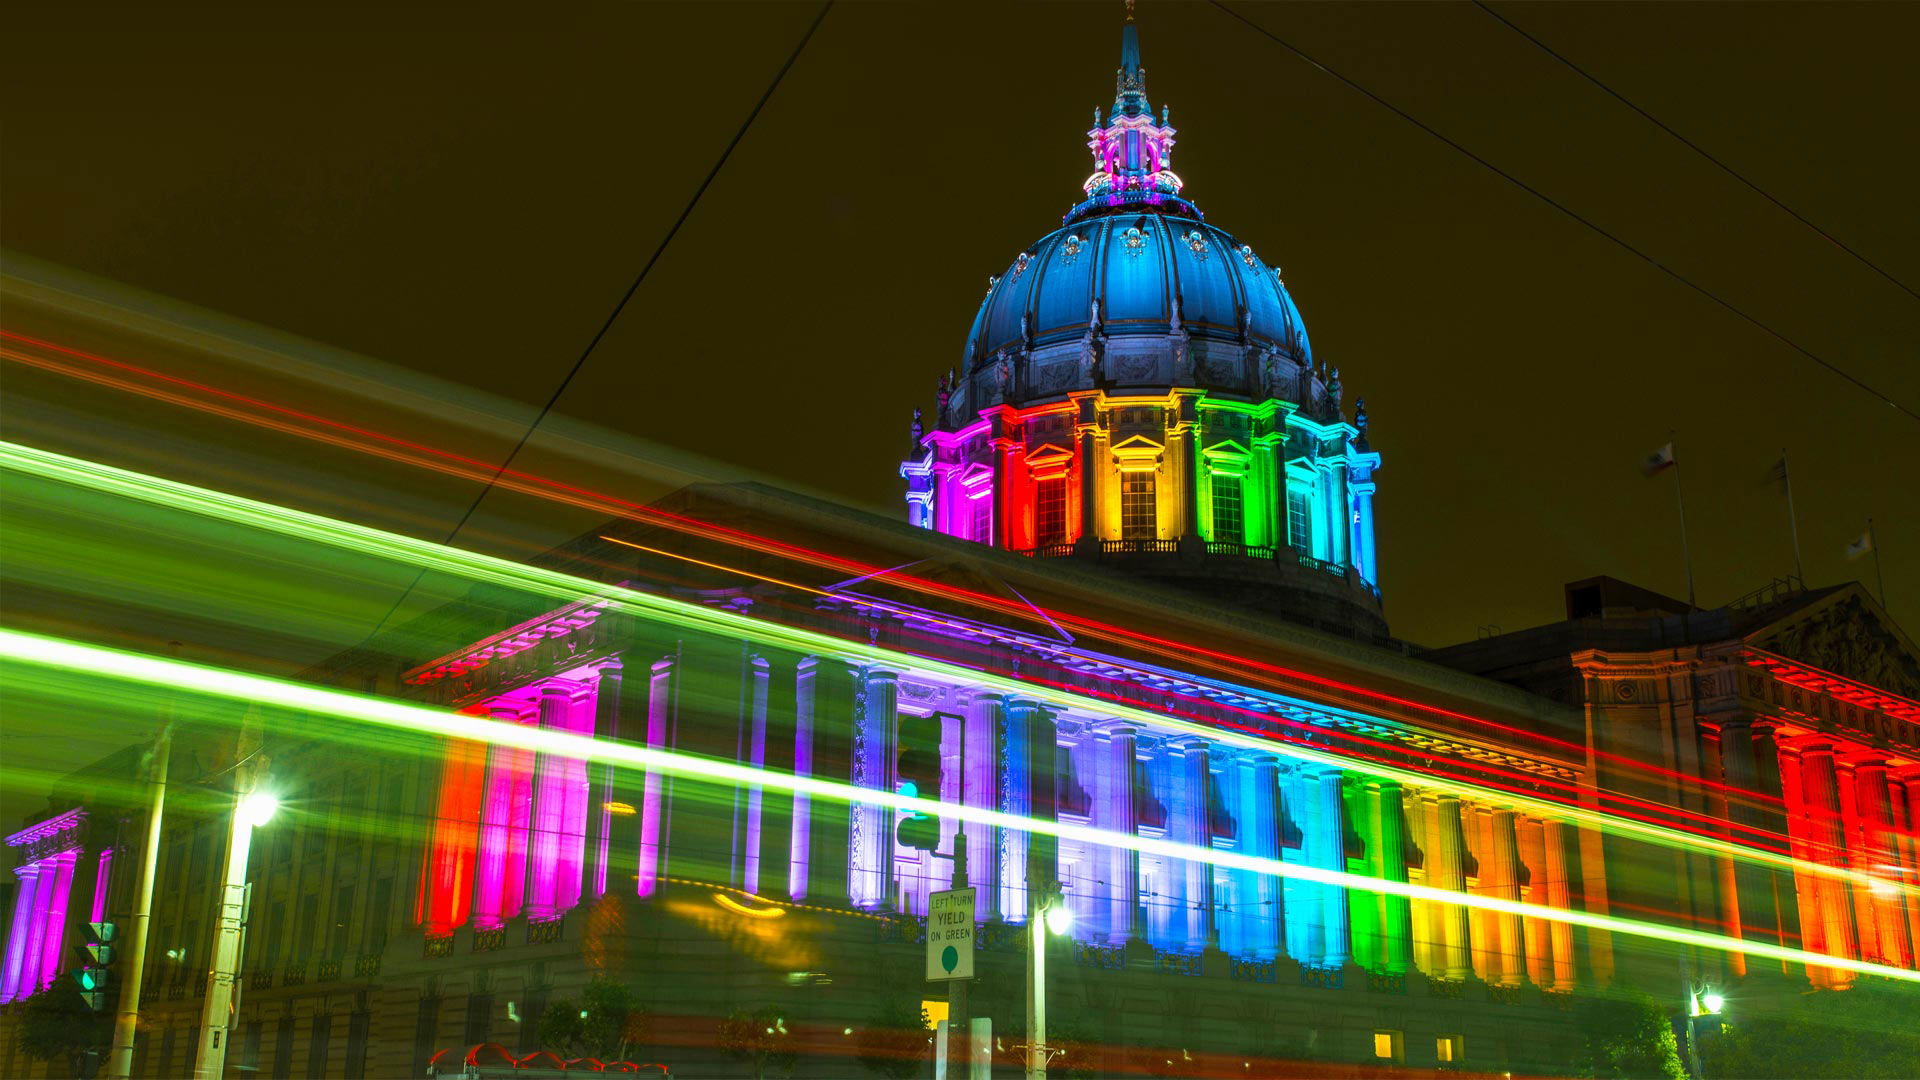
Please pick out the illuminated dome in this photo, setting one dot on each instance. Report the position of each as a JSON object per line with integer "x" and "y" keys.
{"x": 1137, "y": 389}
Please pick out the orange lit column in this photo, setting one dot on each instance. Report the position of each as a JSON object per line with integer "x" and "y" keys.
{"x": 1503, "y": 846}
{"x": 1089, "y": 432}
{"x": 1820, "y": 788}
{"x": 1554, "y": 842}
{"x": 1889, "y": 910}
{"x": 1530, "y": 835}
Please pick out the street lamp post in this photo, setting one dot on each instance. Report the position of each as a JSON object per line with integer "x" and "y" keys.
{"x": 253, "y": 806}
{"x": 1049, "y": 914}
{"x": 1708, "y": 1003}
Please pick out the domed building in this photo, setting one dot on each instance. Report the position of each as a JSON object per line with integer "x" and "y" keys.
{"x": 1138, "y": 389}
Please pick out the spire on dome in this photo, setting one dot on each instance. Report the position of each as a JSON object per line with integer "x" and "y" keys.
{"x": 1130, "y": 151}
{"x": 1130, "y": 82}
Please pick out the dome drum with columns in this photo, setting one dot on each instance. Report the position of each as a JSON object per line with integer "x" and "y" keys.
{"x": 1138, "y": 388}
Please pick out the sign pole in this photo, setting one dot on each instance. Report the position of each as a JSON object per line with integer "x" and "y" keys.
{"x": 959, "y": 1058}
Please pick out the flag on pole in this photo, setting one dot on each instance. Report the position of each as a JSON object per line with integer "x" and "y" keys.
{"x": 1777, "y": 476}
{"x": 1659, "y": 460}
{"x": 1861, "y": 546}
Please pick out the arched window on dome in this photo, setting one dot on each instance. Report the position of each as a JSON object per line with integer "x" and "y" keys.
{"x": 1139, "y": 511}
{"x": 1299, "y": 520}
{"x": 1050, "y": 511}
{"x": 1229, "y": 523}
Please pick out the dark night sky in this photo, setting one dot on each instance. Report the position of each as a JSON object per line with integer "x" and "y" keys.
{"x": 467, "y": 194}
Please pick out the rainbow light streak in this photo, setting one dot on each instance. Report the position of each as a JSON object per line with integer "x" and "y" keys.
{"x": 456, "y": 562}
{"x": 95, "y": 661}
{"x": 528, "y": 483}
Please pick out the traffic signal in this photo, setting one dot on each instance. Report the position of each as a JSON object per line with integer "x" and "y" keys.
{"x": 93, "y": 975}
{"x": 917, "y": 774}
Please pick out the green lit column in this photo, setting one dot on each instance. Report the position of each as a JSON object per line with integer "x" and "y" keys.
{"x": 1390, "y": 830}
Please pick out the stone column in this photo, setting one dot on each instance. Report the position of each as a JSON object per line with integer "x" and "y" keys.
{"x": 654, "y": 804}
{"x": 871, "y": 845}
{"x": 1195, "y": 828}
{"x": 822, "y": 747}
{"x": 750, "y": 804}
{"x": 1889, "y": 909}
{"x": 1906, "y": 803}
{"x": 500, "y": 870}
{"x": 1506, "y": 886}
{"x": 547, "y": 817}
{"x": 1391, "y": 864}
{"x": 986, "y": 754}
{"x": 1555, "y": 838}
{"x": 1120, "y": 814}
{"x": 1821, "y": 793}
{"x": 776, "y": 808}
{"x": 23, "y": 950}
{"x": 1263, "y": 829}
{"x": 619, "y": 716}
{"x": 1328, "y": 846}
{"x": 1040, "y": 736}
{"x": 1531, "y": 835}
{"x": 52, "y": 914}
{"x": 1450, "y": 872}
{"x": 1758, "y": 915}
{"x": 1781, "y": 890}
{"x": 1089, "y": 484}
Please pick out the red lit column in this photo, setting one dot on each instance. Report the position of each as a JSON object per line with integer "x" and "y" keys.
{"x": 1905, "y": 792}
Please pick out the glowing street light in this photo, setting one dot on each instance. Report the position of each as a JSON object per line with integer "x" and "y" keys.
{"x": 1050, "y": 914}
{"x": 1713, "y": 1002}
{"x": 257, "y": 808}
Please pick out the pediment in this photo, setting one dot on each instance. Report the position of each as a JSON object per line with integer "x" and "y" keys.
{"x": 1846, "y": 633}
{"x": 1049, "y": 454}
{"x": 1229, "y": 447}
{"x": 1139, "y": 443}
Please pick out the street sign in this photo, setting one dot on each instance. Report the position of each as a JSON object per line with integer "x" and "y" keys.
{"x": 950, "y": 936}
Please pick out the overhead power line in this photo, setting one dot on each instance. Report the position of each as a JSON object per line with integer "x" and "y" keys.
{"x": 614, "y": 315}
{"x": 1696, "y": 148}
{"x": 1809, "y": 354}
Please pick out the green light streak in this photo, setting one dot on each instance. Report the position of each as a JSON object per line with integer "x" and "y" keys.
{"x": 567, "y": 588}
{"x": 258, "y": 690}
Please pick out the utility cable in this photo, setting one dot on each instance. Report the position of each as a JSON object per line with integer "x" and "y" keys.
{"x": 1568, "y": 211}
{"x": 614, "y": 315}
{"x": 1696, "y": 148}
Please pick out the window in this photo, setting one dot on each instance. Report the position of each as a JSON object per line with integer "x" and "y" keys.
{"x": 283, "y": 1048}
{"x": 358, "y": 1025}
{"x": 426, "y": 1032}
{"x": 317, "y": 1044}
{"x": 980, "y": 521}
{"x": 342, "y": 923}
{"x": 377, "y": 916}
{"x": 1299, "y": 523}
{"x": 1386, "y": 1046}
{"x": 302, "y": 946}
{"x": 1050, "y": 512}
{"x": 479, "y": 1019}
{"x": 1139, "y": 513}
{"x": 250, "y": 1049}
{"x": 1450, "y": 1049}
{"x": 276, "y": 928}
{"x": 1227, "y": 522}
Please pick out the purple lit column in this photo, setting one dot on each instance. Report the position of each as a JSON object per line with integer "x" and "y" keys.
{"x": 497, "y": 824}
{"x": 750, "y": 803}
{"x": 986, "y": 753}
{"x": 871, "y": 841}
{"x": 54, "y": 915}
{"x": 653, "y": 801}
{"x": 16, "y": 973}
{"x": 822, "y": 747}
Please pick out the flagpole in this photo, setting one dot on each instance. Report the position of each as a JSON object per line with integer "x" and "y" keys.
{"x": 1793, "y": 520}
{"x": 1679, "y": 493}
{"x": 1873, "y": 542}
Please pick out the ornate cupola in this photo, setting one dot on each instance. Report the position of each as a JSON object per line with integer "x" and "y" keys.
{"x": 1138, "y": 390}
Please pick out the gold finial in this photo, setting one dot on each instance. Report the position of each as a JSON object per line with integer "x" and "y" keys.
{"x": 1129, "y": 10}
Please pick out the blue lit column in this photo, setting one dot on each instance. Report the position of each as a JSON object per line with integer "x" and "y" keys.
{"x": 1119, "y": 781}
{"x": 1330, "y": 836}
{"x": 1194, "y": 827}
{"x": 1260, "y": 826}
{"x": 1030, "y": 748}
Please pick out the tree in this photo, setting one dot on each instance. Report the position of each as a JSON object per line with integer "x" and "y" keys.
{"x": 1625, "y": 1038}
{"x": 1865, "y": 1032}
{"x": 603, "y": 1024}
{"x": 759, "y": 1037}
{"x": 58, "y": 1023}
{"x": 895, "y": 1042}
